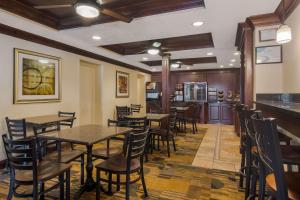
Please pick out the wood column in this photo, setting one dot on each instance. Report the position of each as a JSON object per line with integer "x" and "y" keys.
{"x": 248, "y": 66}
{"x": 165, "y": 82}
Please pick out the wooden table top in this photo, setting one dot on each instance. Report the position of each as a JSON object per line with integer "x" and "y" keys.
{"x": 149, "y": 116}
{"x": 46, "y": 119}
{"x": 181, "y": 108}
{"x": 86, "y": 134}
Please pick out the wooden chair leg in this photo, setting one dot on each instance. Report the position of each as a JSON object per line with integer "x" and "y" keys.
{"x": 196, "y": 127}
{"x": 193, "y": 128}
{"x": 61, "y": 187}
{"x": 68, "y": 184}
{"x": 143, "y": 182}
{"x": 98, "y": 185}
{"x": 249, "y": 173}
{"x": 42, "y": 189}
{"x": 241, "y": 183}
{"x": 11, "y": 186}
{"x": 82, "y": 170}
{"x": 110, "y": 183}
{"x": 118, "y": 182}
{"x": 174, "y": 145}
{"x": 262, "y": 183}
{"x": 158, "y": 141}
{"x": 127, "y": 186}
{"x": 168, "y": 147}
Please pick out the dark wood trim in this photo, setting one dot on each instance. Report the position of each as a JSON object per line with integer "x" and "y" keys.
{"x": 29, "y": 12}
{"x": 2, "y": 164}
{"x": 263, "y": 20}
{"x": 284, "y": 13}
{"x": 17, "y": 33}
{"x": 201, "y": 70}
{"x": 239, "y": 40}
{"x": 165, "y": 82}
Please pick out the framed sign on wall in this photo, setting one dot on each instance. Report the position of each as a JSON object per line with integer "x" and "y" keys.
{"x": 122, "y": 84}
{"x": 267, "y": 35}
{"x": 268, "y": 54}
{"x": 37, "y": 77}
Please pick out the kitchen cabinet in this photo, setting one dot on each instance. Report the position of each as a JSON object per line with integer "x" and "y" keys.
{"x": 220, "y": 113}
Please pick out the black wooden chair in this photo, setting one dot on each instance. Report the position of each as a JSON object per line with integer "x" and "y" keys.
{"x": 135, "y": 108}
{"x": 67, "y": 123}
{"x": 122, "y": 112}
{"x": 126, "y": 164}
{"x": 49, "y": 151}
{"x": 166, "y": 135}
{"x": 109, "y": 151}
{"x": 27, "y": 170}
{"x": 283, "y": 185}
{"x": 16, "y": 128}
{"x": 192, "y": 116}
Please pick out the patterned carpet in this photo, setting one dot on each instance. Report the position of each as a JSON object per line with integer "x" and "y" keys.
{"x": 167, "y": 178}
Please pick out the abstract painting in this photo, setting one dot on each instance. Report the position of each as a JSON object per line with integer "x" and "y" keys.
{"x": 36, "y": 77}
{"x": 122, "y": 85}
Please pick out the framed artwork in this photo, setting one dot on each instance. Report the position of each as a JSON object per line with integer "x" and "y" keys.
{"x": 122, "y": 85}
{"x": 269, "y": 54}
{"x": 267, "y": 35}
{"x": 36, "y": 77}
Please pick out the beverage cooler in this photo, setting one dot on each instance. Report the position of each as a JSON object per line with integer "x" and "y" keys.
{"x": 195, "y": 91}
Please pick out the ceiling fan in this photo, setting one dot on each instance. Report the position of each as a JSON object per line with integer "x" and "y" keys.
{"x": 90, "y": 9}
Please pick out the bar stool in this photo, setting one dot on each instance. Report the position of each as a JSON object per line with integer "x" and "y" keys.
{"x": 283, "y": 185}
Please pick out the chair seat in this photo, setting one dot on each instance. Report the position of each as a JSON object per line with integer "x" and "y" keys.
{"x": 46, "y": 170}
{"x": 66, "y": 156}
{"x": 117, "y": 164}
{"x": 292, "y": 181}
{"x": 104, "y": 154}
{"x": 290, "y": 154}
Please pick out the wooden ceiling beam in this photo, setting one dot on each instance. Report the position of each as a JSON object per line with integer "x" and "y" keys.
{"x": 17, "y": 33}
{"x": 185, "y": 61}
{"x": 284, "y": 12}
{"x": 29, "y": 12}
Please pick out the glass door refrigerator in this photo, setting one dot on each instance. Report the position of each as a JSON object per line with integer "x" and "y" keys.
{"x": 195, "y": 91}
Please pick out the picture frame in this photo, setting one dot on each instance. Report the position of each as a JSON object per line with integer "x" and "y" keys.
{"x": 37, "y": 77}
{"x": 267, "y": 35}
{"x": 268, "y": 54}
{"x": 122, "y": 84}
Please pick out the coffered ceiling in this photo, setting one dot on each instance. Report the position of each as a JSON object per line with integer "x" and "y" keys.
{"x": 184, "y": 61}
{"x": 162, "y": 20}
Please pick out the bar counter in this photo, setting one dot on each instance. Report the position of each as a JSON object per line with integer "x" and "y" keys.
{"x": 286, "y": 113}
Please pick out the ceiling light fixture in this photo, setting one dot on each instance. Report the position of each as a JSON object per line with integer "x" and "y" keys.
{"x": 221, "y": 66}
{"x": 237, "y": 53}
{"x": 198, "y": 23}
{"x": 187, "y": 67}
{"x": 96, "y": 37}
{"x": 175, "y": 65}
{"x": 233, "y": 60}
{"x": 210, "y": 53}
{"x": 153, "y": 51}
{"x": 284, "y": 32}
{"x": 87, "y": 8}
{"x": 231, "y": 65}
{"x": 145, "y": 58}
{"x": 154, "y": 69}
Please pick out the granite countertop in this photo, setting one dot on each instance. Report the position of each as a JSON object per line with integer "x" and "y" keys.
{"x": 288, "y": 106}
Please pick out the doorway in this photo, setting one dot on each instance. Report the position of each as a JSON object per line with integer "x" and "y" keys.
{"x": 89, "y": 93}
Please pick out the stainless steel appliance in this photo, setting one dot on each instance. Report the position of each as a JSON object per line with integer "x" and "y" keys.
{"x": 195, "y": 91}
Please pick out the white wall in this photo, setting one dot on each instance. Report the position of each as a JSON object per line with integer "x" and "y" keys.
{"x": 291, "y": 75}
{"x": 70, "y": 84}
{"x": 268, "y": 78}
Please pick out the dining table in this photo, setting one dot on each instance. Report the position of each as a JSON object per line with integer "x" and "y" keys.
{"x": 155, "y": 117}
{"x": 87, "y": 135}
{"x": 47, "y": 119}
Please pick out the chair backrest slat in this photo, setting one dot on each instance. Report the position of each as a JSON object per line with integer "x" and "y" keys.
{"x": 16, "y": 128}
{"x": 21, "y": 154}
{"x": 122, "y": 111}
{"x": 68, "y": 123}
{"x": 136, "y": 143}
{"x": 135, "y": 108}
{"x": 268, "y": 146}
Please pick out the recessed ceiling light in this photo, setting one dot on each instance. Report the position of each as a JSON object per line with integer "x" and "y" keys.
{"x": 198, "y": 23}
{"x": 187, "y": 67}
{"x": 145, "y": 58}
{"x": 87, "y": 9}
{"x": 154, "y": 69}
{"x": 237, "y": 53}
{"x": 210, "y": 53}
{"x": 231, "y": 65}
{"x": 96, "y": 37}
{"x": 233, "y": 60}
{"x": 221, "y": 66}
{"x": 153, "y": 51}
